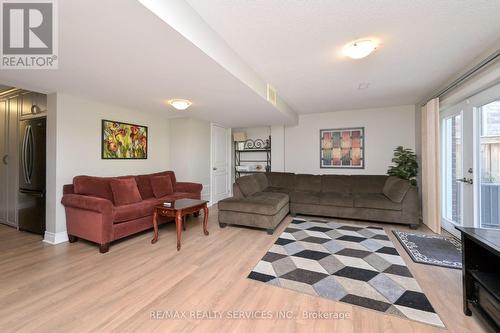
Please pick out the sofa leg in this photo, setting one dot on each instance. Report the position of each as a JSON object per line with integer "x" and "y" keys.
{"x": 222, "y": 225}
{"x": 72, "y": 238}
{"x": 103, "y": 248}
{"x": 270, "y": 231}
{"x": 413, "y": 226}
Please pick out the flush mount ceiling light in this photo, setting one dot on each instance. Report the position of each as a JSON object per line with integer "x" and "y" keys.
{"x": 360, "y": 48}
{"x": 180, "y": 104}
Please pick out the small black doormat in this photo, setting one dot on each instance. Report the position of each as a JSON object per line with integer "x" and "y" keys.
{"x": 432, "y": 249}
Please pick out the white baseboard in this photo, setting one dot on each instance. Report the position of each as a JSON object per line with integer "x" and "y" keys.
{"x": 55, "y": 238}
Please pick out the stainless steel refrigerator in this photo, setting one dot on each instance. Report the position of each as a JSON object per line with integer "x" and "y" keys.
{"x": 32, "y": 161}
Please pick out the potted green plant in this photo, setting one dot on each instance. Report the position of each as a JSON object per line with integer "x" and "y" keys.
{"x": 405, "y": 165}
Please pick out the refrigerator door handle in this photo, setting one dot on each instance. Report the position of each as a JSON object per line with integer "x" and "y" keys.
{"x": 31, "y": 152}
{"x": 23, "y": 155}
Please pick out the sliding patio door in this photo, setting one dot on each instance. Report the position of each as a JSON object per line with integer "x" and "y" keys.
{"x": 470, "y": 147}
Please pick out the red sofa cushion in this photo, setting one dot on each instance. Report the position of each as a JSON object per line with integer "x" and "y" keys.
{"x": 144, "y": 183}
{"x": 162, "y": 186}
{"x": 134, "y": 211}
{"x": 94, "y": 186}
{"x": 125, "y": 191}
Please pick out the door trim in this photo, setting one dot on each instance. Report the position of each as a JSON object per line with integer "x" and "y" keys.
{"x": 228, "y": 166}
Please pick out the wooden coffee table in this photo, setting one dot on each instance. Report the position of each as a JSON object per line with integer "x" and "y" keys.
{"x": 179, "y": 209}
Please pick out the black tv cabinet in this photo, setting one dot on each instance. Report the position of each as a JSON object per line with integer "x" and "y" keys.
{"x": 481, "y": 275}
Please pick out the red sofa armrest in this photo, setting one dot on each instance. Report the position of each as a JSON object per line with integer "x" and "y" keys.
{"x": 188, "y": 187}
{"x": 94, "y": 204}
{"x": 89, "y": 217}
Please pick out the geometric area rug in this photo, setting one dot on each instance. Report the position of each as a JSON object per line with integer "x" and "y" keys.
{"x": 346, "y": 263}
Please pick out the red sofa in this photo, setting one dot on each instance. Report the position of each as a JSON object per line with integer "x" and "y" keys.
{"x": 92, "y": 212}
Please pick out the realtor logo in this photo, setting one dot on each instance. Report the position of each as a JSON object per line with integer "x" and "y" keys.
{"x": 29, "y": 38}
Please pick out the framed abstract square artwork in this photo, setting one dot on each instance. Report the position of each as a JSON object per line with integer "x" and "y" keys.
{"x": 342, "y": 148}
{"x": 123, "y": 141}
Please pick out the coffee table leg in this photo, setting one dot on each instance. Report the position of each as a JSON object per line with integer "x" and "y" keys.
{"x": 155, "y": 226}
{"x": 205, "y": 220}
{"x": 178, "y": 228}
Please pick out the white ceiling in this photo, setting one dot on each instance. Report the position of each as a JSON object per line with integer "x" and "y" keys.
{"x": 118, "y": 52}
{"x": 295, "y": 45}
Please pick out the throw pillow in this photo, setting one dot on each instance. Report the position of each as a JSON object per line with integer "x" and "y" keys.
{"x": 125, "y": 191}
{"x": 162, "y": 186}
{"x": 395, "y": 188}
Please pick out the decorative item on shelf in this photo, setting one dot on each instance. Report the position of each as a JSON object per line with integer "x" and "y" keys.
{"x": 342, "y": 148}
{"x": 259, "y": 168}
{"x": 406, "y": 166}
{"x": 123, "y": 141}
{"x": 243, "y": 168}
{"x": 259, "y": 144}
{"x": 239, "y": 138}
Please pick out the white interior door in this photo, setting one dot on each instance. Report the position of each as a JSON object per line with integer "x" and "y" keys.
{"x": 220, "y": 163}
{"x": 470, "y": 142}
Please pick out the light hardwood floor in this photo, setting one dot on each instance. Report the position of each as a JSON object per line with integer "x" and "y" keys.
{"x": 72, "y": 287}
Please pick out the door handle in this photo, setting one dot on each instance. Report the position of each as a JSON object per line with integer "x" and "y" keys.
{"x": 465, "y": 180}
{"x": 215, "y": 169}
{"x": 5, "y": 159}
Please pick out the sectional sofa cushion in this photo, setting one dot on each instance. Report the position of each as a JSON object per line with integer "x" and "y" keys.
{"x": 310, "y": 183}
{"x": 396, "y": 188}
{"x": 162, "y": 186}
{"x": 336, "y": 199}
{"x": 248, "y": 185}
{"x": 261, "y": 181}
{"x": 125, "y": 191}
{"x": 305, "y": 197}
{"x": 368, "y": 184}
{"x": 278, "y": 189}
{"x": 336, "y": 183}
{"x": 280, "y": 179}
{"x": 263, "y": 203}
{"x": 93, "y": 186}
{"x": 375, "y": 201}
{"x": 144, "y": 183}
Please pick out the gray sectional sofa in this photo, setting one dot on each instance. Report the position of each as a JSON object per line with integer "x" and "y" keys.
{"x": 263, "y": 200}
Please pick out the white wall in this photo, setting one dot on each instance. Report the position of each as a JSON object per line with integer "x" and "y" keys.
{"x": 385, "y": 129}
{"x": 190, "y": 151}
{"x": 278, "y": 148}
{"x": 74, "y": 148}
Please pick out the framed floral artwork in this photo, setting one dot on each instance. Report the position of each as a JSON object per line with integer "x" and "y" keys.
{"x": 342, "y": 148}
{"x": 123, "y": 141}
